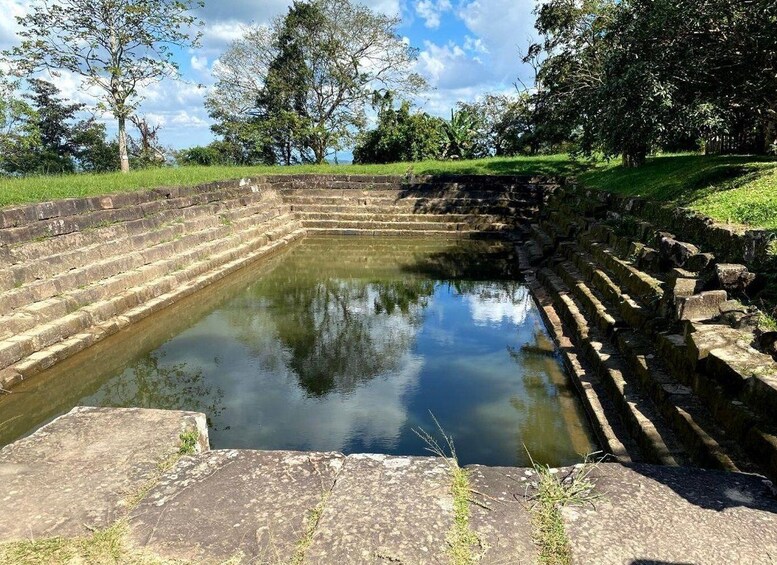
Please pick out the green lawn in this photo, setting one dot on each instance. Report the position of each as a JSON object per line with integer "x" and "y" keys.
{"x": 40, "y": 188}
{"x": 733, "y": 189}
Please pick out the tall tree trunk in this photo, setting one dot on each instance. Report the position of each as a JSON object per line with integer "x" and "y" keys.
{"x": 123, "y": 155}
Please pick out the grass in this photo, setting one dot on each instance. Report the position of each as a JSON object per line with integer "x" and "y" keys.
{"x": 732, "y": 189}
{"x": 42, "y": 188}
{"x": 188, "y": 442}
{"x": 739, "y": 190}
{"x": 461, "y": 539}
{"x": 553, "y": 492}
{"x": 314, "y": 517}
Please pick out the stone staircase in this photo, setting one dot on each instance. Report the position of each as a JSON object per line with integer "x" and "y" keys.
{"x": 470, "y": 207}
{"x": 660, "y": 338}
{"x": 76, "y": 271}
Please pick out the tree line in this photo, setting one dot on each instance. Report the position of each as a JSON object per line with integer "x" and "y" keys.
{"x": 612, "y": 77}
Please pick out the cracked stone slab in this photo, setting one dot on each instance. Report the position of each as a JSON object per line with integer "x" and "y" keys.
{"x": 386, "y": 509}
{"x": 653, "y": 514}
{"x": 500, "y": 516}
{"x": 228, "y": 503}
{"x": 80, "y": 471}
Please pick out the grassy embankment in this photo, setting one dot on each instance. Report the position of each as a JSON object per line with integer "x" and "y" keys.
{"x": 733, "y": 189}
{"x": 41, "y": 188}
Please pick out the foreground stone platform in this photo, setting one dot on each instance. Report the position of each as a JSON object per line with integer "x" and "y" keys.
{"x": 94, "y": 466}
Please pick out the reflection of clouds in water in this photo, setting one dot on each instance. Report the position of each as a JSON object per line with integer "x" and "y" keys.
{"x": 271, "y": 409}
{"x": 374, "y": 412}
{"x": 493, "y": 304}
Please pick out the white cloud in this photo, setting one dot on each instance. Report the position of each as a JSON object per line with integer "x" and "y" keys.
{"x": 431, "y": 11}
{"x": 11, "y": 9}
{"x": 494, "y": 305}
{"x": 199, "y": 63}
{"x": 503, "y": 28}
{"x": 449, "y": 66}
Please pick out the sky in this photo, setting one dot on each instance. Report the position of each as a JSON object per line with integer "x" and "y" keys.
{"x": 467, "y": 48}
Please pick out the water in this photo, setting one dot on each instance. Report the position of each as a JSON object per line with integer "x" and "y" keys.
{"x": 341, "y": 344}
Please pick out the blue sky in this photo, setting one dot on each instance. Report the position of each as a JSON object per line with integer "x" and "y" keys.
{"x": 467, "y": 48}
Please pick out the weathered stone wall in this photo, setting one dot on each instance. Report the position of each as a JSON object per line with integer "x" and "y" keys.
{"x": 659, "y": 333}
{"x": 74, "y": 271}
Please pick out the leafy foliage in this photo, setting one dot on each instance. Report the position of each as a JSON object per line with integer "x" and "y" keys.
{"x": 628, "y": 77}
{"x": 43, "y": 136}
{"x": 401, "y": 135}
{"x": 299, "y": 90}
{"x": 117, "y": 46}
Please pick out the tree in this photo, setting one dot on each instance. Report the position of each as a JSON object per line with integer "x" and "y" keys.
{"x": 18, "y": 130}
{"x": 147, "y": 151}
{"x": 116, "y": 46}
{"x": 45, "y": 136}
{"x": 628, "y": 77}
{"x": 312, "y": 74}
{"x": 400, "y": 135}
{"x": 461, "y": 131}
{"x": 505, "y": 123}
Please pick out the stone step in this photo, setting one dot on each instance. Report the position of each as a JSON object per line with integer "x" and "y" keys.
{"x": 406, "y": 207}
{"x": 86, "y": 469}
{"x": 704, "y": 440}
{"x": 477, "y": 221}
{"x": 105, "y": 299}
{"x": 132, "y": 215}
{"x": 404, "y": 233}
{"x": 614, "y": 439}
{"x": 29, "y": 296}
{"x": 636, "y": 314}
{"x": 604, "y": 318}
{"x": 309, "y": 195}
{"x": 149, "y": 300}
{"x": 399, "y": 225}
{"x": 707, "y": 442}
{"x": 643, "y": 287}
{"x": 640, "y": 415}
{"x": 51, "y": 256}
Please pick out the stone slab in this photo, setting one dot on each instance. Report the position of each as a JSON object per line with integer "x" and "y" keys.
{"x": 653, "y": 514}
{"x": 81, "y": 471}
{"x": 500, "y": 515}
{"x": 386, "y": 509}
{"x": 228, "y": 503}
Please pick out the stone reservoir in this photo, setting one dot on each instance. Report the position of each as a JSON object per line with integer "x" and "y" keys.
{"x": 652, "y": 329}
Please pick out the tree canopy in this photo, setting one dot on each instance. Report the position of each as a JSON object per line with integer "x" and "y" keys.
{"x": 299, "y": 90}
{"x": 630, "y": 76}
{"x": 116, "y": 46}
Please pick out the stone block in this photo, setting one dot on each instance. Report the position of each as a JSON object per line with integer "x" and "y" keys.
{"x": 386, "y": 509}
{"x": 259, "y": 505}
{"x": 80, "y": 471}
{"x": 733, "y": 277}
{"x": 676, "y": 252}
{"x": 699, "y": 262}
{"x": 702, "y": 306}
{"x": 653, "y": 514}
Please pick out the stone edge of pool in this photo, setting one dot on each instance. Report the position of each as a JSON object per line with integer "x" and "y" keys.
{"x": 93, "y": 467}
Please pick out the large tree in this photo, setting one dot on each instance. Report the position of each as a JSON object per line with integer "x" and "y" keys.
{"x": 302, "y": 86}
{"x": 116, "y": 46}
{"x": 630, "y": 76}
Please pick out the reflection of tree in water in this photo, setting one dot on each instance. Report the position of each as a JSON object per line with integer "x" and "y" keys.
{"x": 149, "y": 383}
{"x": 337, "y": 332}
